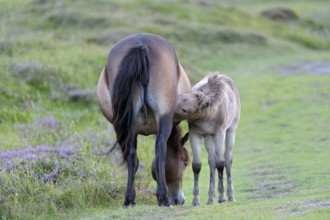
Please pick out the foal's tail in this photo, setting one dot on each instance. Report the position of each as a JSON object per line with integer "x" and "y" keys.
{"x": 133, "y": 75}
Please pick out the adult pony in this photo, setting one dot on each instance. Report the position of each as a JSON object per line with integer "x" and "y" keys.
{"x": 213, "y": 112}
{"x": 137, "y": 92}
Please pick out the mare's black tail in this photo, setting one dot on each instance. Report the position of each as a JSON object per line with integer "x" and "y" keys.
{"x": 133, "y": 73}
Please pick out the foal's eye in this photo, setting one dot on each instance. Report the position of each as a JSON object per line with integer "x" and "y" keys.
{"x": 184, "y": 110}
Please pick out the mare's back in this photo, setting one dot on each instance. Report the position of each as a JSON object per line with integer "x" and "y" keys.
{"x": 161, "y": 90}
{"x": 163, "y": 60}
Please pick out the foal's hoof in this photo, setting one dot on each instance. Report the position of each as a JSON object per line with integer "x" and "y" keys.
{"x": 222, "y": 200}
{"x": 196, "y": 203}
{"x": 232, "y": 199}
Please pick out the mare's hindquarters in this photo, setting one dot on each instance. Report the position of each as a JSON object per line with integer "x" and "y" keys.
{"x": 142, "y": 72}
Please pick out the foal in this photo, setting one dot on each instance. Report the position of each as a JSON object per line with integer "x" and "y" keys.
{"x": 213, "y": 111}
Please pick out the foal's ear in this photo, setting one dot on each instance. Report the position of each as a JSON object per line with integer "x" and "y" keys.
{"x": 185, "y": 138}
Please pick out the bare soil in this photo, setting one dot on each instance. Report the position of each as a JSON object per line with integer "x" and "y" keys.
{"x": 321, "y": 67}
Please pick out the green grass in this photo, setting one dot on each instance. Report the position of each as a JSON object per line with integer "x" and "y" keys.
{"x": 48, "y": 48}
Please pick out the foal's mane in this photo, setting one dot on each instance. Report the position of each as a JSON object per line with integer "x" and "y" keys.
{"x": 215, "y": 82}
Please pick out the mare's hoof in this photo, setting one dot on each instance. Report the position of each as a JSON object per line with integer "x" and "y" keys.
{"x": 129, "y": 198}
{"x": 164, "y": 201}
{"x": 162, "y": 197}
{"x": 164, "y": 204}
{"x": 128, "y": 203}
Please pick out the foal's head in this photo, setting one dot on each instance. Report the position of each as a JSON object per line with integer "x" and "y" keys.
{"x": 177, "y": 158}
{"x": 191, "y": 103}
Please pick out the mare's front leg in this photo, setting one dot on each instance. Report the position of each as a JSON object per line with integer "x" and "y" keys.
{"x": 211, "y": 160}
{"x": 164, "y": 130}
{"x": 132, "y": 167}
{"x": 194, "y": 139}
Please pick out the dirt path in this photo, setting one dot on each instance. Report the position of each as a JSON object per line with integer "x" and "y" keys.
{"x": 321, "y": 67}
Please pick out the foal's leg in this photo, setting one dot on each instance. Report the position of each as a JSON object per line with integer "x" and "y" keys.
{"x": 132, "y": 167}
{"x": 211, "y": 159}
{"x": 230, "y": 141}
{"x": 221, "y": 189}
{"x": 194, "y": 139}
{"x": 164, "y": 130}
{"x": 219, "y": 142}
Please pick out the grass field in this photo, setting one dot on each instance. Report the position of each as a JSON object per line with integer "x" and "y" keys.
{"x": 50, "y": 139}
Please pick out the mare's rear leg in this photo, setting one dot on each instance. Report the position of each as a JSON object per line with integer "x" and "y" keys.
{"x": 230, "y": 141}
{"x": 132, "y": 167}
{"x": 164, "y": 131}
{"x": 209, "y": 144}
{"x": 194, "y": 139}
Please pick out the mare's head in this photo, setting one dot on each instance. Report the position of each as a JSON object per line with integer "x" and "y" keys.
{"x": 177, "y": 158}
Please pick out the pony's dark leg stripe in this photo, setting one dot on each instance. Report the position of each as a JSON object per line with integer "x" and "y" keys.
{"x": 220, "y": 168}
{"x": 164, "y": 130}
{"x": 196, "y": 169}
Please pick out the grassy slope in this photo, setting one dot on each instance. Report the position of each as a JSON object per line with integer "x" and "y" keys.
{"x": 280, "y": 166}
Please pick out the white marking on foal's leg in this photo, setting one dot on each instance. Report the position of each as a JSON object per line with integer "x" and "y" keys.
{"x": 211, "y": 159}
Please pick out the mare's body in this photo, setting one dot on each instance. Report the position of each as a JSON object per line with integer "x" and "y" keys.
{"x": 137, "y": 92}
